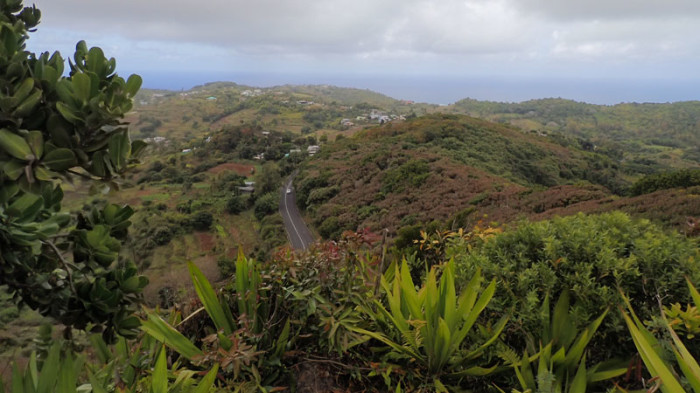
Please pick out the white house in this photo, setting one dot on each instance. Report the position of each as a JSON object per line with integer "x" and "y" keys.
{"x": 313, "y": 149}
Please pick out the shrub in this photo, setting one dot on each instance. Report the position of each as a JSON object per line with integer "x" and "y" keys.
{"x": 321, "y": 195}
{"x": 330, "y": 228}
{"x": 663, "y": 181}
{"x": 235, "y": 205}
{"x": 592, "y": 256}
{"x": 162, "y": 235}
{"x": 266, "y": 204}
{"x": 411, "y": 174}
{"x": 201, "y": 221}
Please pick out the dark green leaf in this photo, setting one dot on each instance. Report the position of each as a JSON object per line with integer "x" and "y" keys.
{"x": 36, "y": 142}
{"x": 15, "y": 145}
{"x": 68, "y": 113}
{"x": 26, "y": 207}
{"x": 28, "y": 105}
{"x": 119, "y": 148}
{"x": 60, "y": 159}
{"x": 133, "y": 84}
{"x": 13, "y": 169}
{"x": 81, "y": 87}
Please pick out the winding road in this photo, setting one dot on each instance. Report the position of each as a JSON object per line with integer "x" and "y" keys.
{"x": 298, "y": 233}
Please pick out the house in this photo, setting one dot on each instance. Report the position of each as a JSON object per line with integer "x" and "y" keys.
{"x": 156, "y": 140}
{"x": 313, "y": 149}
{"x": 266, "y": 133}
{"x": 185, "y": 151}
{"x": 292, "y": 151}
{"x": 211, "y": 98}
{"x": 376, "y": 115}
{"x": 248, "y": 188}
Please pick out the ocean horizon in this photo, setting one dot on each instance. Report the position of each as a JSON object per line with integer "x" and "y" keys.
{"x": 444, "y": 90}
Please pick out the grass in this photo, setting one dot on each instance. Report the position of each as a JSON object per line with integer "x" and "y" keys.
{"x": 156, "y": 197}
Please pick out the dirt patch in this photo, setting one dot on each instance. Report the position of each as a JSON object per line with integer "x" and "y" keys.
{"x": 241, "y": 169}
{"x": 205, "y": 240}
{"x": 135, "y": 197}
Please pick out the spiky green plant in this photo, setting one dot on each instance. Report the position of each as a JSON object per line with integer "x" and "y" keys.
{"x": 246, "y": 346}
{"x": 651, "y": 351}
{"x": 560, "y": 363}
{"x": 428, "y": 329}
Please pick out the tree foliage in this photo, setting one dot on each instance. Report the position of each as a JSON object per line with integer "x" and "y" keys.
{"x": 593, "y": 256}
{"x": 55, "y": 128}
{"x": 666, "y": 180}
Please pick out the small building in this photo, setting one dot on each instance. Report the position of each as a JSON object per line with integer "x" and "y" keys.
{"x": 313, "y": 149}
{"x": 248, "y": 188}
{"x": 186, "y": 151}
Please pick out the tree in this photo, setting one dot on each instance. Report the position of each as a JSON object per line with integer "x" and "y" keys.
{"x": 235, "y": 204}
{"x": 268, "y": 179}
{"x": 266, "y": 204}
{"x": 201, "y": 221}
{"x": 54, "y": 128}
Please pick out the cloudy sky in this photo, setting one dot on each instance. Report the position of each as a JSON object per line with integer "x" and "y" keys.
{"x": 603, "y": 51}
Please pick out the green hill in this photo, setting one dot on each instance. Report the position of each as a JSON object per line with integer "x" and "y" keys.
{"x": 456, "y": 169}
{"x": 646, "y": 138}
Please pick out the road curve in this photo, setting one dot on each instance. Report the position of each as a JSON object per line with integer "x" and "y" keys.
{"x": 298, "y": 233}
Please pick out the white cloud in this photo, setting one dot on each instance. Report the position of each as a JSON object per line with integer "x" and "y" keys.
{"x": 430, "y": 35}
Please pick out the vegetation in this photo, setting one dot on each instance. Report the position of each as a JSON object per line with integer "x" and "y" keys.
{"x": 644, "y": 138}
{"x": 594, "y": 257}
{"x": 390, "y": 177}
{"x": 58, "y": 127}
{"x": 442, "y": 301}
{"x": 662, "y": 181}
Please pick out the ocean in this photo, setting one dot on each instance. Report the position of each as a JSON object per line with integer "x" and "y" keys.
{"x": 444, "y": 90}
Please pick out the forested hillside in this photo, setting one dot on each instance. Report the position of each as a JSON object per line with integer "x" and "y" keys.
{"x": 645, "y": 138}
{"x": 448, "y": 171}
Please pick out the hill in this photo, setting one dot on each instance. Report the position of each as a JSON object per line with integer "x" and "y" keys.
{"x": 307, "y": 109}
{"x": 645, "y": 138}
{"x": 455, "y": 169}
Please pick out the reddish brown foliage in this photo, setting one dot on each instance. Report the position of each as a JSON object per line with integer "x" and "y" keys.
{"x": 241, "y": 169}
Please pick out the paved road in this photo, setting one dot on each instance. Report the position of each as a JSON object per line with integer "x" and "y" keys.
{"x": 298, "y": 233}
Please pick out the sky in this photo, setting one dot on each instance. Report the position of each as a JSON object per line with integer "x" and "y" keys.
{"x": 439, "y": 51}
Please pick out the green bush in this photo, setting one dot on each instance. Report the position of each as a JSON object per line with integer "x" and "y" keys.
{"x": 591, "y": 256}
{"x": 201, "y": 221}
{"x": 664, "y": 181}
{"x": 330, "y": 228}
{"x": 162, "y": 235}
{"x": 266, "y": 204}
{"x": 320, "y": 195}
{"x": 235, "y": 205}
{"x": 411, "y": 174}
